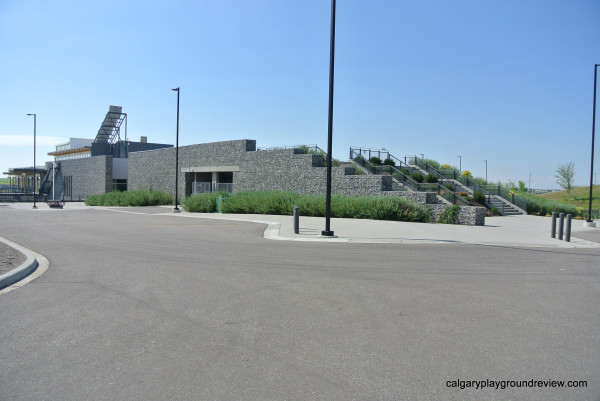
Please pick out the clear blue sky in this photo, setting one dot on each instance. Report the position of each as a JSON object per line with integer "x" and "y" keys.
{"x": 507, "y": 81}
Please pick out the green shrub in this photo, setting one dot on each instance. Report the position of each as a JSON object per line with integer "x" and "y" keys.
{"x": 450, "y": 187}
{"x": 389, "y": 162}
{"x": 533, "y": 208}
{"x": 201, "y": 203}
{"x": 431, "y": 179}
{"x": 536, "y": 204}
{"x": 358, "y": 170}
{"x": 376, "y": 161}
{"x": 281, "y": 203}
{"x": 405, "y": 171}
{"x": 450, "y": 215}
{"x": 479, "y": 197}
{"x": 130, "y": 198}
{"x": 417, "y": 177}
{"x": 494, "y": 211}
{"x": 378, "y": 208}
{"x": 270, "y": 202}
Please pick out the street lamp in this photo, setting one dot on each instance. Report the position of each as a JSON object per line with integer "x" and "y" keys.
{"x": 460, "y": 164}
{"x": 485, "y": 171}
{"x": 589, "y": 222}
{"x": 176, "y": 209}
{"x": 327, "y": 232}
{"x": 34, "y": 138}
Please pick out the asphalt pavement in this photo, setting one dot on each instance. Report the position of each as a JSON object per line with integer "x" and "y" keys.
{"x": 144, "y": 304}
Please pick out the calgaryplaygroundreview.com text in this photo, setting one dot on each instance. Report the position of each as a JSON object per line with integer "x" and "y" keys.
{"x": 504, "y": 384}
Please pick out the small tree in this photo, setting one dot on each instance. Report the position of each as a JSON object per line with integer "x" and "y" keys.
{"x": 376, "y": 161}
{"x": 565, "y": 176}
{"x": 522, "y": 187}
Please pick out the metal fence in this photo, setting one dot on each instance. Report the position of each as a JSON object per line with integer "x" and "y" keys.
{"x": 206, "y": 187}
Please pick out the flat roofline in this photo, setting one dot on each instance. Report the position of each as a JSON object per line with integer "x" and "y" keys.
{"x": 70, "y": 151}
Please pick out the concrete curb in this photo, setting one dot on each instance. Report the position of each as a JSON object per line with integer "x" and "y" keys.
{"x": 20, "y": 272}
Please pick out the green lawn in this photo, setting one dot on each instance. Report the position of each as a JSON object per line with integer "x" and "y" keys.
{"x": 4, "y": 181}
{"x": 580, "y": 197}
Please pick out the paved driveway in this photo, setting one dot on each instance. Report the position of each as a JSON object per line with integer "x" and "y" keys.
{"x": 151, "y": 307}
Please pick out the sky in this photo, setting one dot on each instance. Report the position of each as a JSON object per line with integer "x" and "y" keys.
{"x": 510, "y": 82}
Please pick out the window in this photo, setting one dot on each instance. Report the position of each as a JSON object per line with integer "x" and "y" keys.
{"x": 69, "y": 186}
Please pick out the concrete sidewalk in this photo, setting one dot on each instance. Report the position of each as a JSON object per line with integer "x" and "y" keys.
{"x": 528, "y": 231}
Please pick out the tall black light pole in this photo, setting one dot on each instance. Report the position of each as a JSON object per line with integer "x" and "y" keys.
{"x": 176, "y": 210}
{"x": 327, "y": 232}
{"x": 34, "y": 135}
{"x": 589, "y": 220}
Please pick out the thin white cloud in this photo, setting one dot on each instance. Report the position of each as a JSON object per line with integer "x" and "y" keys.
{"x": 27, "y": 140}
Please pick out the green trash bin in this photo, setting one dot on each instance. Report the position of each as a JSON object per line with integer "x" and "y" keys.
{"x": 220, "y": 204}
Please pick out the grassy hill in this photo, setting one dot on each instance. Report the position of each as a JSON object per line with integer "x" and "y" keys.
{"x": 580, "y": 197}
{"x": 4, "y": 181}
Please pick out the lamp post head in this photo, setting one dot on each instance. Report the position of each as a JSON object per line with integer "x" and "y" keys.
{"x": 176, "y": 89}
{"x": 31, "y": 114}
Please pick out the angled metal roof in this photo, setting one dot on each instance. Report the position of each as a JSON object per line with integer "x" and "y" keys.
{"x": 111, "y": 126}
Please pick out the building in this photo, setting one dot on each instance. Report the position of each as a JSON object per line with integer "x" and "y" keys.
{"x": 21, "y": 179}
{"x": 84, "y": 167}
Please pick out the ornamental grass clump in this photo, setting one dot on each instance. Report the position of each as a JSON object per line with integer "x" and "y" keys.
{"x": 130, "y": 198}
{"x": 271, "y": 202}
{"x": 201, "y": 203}
{"x": 282, "y": 203}
{"x": 542, "y": 206}
{"x": 365, "y": 207}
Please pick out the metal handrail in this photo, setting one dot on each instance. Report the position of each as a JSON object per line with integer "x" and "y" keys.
{"x": 509, "y": 196}
{"x": 438, "y": 188}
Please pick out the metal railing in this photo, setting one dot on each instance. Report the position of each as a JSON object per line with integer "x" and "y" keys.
{"x": 314, "y": 149}
{"x": 506, "y": 194}
{"x": 368, "y": 153}
{"x": 8, "y": 189}
{"x": 224, "y": 187}
{"x": 401, "y": 177}
{"x": 201, "y": 187}
{"x": 474, "y": 185}
{"x": 207, "y": 187}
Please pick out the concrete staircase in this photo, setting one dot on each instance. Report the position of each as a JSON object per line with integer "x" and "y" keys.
{"x": 505, "y": 208}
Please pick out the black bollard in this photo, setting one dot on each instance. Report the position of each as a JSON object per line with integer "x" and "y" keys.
{"x": 296, "y": 219}
{"x": 561, "y": 222}
{"x": 553, "y": 230}
{"x": 568, "y": 230}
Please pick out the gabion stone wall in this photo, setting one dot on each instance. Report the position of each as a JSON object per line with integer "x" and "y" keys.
{"x": 467, "y": 215}
{"x": 287, "y": 170}
{"x": 270, "y": 170}
{"x": 156, "y": 168}
{"x": 90, "y": 176}
{"x": 422, "y": 198}
{"x": 281, "y": 170}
